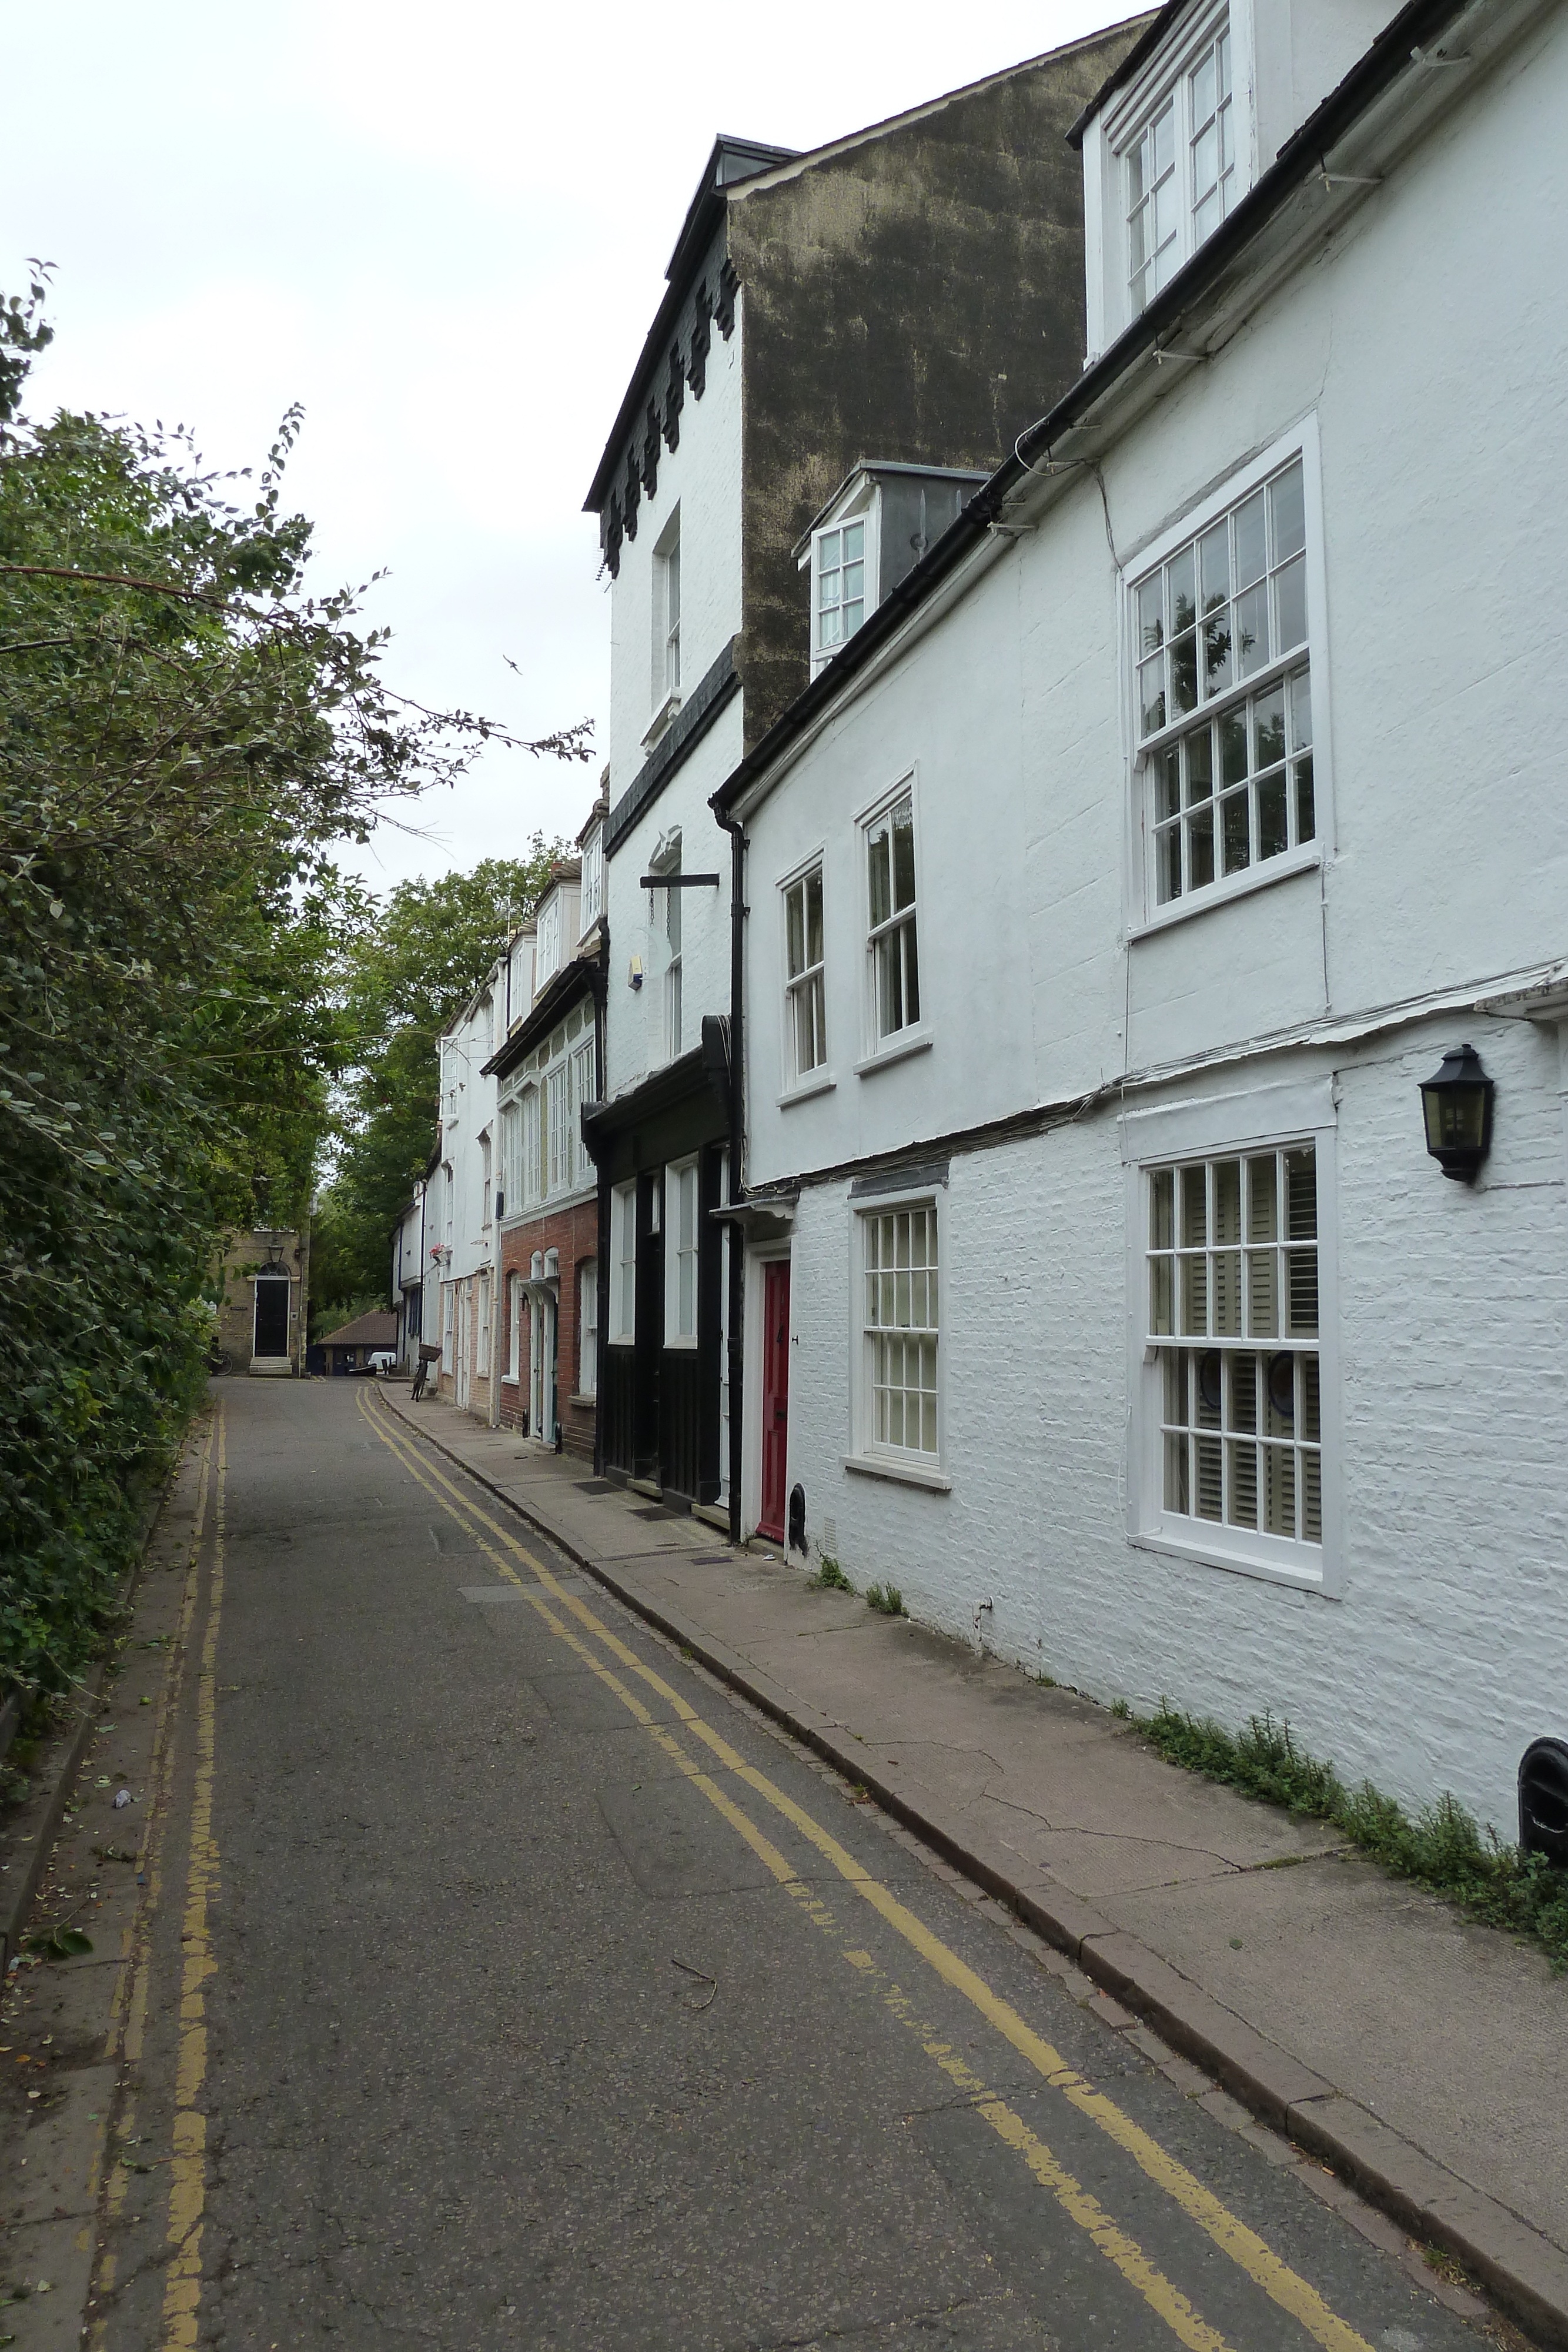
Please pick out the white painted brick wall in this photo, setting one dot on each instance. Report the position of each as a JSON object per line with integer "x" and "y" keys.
{"x": 1446, "y": 864}
{"x": 1445, "y": 1656}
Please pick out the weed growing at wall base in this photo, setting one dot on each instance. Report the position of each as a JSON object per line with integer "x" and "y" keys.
{"x": 886, "y": 1599}
{"x": 1443, "y": 1849}
{"x": 830, "y": 1577}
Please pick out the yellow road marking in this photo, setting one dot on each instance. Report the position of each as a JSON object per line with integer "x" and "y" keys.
{"x": 1284, "y": 2287}
{"x": 188, "y": 2172}
{"x": 1162, "y": 2296}
{"x": 128, "y": 2011}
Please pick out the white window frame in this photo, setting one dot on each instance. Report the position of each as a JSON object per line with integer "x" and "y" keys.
{"x": 590, "y": 905}
{"x": 513, "y": 1373}
{"x": 664, "y": 617}
{"x": 528, "y": 1146}
{"x": 510, "y": 1167}
{"x": 682, "y": 1182}
{"x": 481, "y": 1332}
{"x": 584, "y": 1067}
{"x": 912, "y": 1037}
{"x": 1146, "y": 911}
{"x": 587, "y": 1327}
{"x": 623, "y": 1264}
{"x": 547, "y": 940}
{"x": 674, "y": 933}
{"x": 1168, "y": 81}
{"x": 866, "y": 517}
{"x": 798, "y": 1082}
{"x": 1232, "y": 1125}
{"x": 487, "y": 1181}
{"x": 558, "y": 1088}
{"x": 871, "y": 1455}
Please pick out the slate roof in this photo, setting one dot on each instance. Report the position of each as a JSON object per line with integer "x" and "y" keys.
{"x": 377, "y": 1330}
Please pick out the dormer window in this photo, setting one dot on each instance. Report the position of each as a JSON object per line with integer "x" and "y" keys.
{"x": 840, "y": 570}
{"x": 1171, "y": 146}
{"x": 1180, "y": 168}
{"x": 882, "y": 519}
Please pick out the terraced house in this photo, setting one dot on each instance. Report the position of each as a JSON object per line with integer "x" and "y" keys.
{"x": 1157, "y": 973}
{"x": 849, "y": 340}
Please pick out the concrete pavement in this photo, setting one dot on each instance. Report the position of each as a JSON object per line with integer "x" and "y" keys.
{"x": 1425, "y": 2058}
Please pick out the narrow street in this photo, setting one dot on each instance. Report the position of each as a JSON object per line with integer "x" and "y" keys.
{"x": 506, "y": 1983}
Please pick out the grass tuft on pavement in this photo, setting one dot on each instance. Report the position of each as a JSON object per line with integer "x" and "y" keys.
{"x": 1443, "y": 1848}
{"x": 830, "y": 1577}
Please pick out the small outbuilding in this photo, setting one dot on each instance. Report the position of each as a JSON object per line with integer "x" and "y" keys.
{"x": 350, "y": 1350}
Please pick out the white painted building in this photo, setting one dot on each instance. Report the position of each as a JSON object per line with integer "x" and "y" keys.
{"x": 1114, "y": 890}
{"x": 460, "y": 1197}
{"x": 547, "y": 1071}
{"x": 410, "y": 1270}
{"x": 825, "y": 360}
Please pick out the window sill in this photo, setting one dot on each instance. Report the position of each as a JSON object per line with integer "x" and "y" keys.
{"x": 898, "y": 1049}
{"x": 682, "y": 1347}
{"x": 820, "y": 1082}
{"x": 1236, "y": 886}
{"x": 581, "y": 1396}
{"x": 905, "y": 1474}
{"x": 661, "y": 720}
{"x": 511, "y": 1379}
{"x": 1202, "y": 1555}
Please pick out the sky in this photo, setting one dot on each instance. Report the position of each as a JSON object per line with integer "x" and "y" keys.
{"x": 445, "y": 233}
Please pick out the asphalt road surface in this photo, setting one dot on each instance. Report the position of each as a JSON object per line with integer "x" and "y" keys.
{"x": 509, "y": 1984}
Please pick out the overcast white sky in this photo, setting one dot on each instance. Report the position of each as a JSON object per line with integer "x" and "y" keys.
{"x": 444, "y": 231}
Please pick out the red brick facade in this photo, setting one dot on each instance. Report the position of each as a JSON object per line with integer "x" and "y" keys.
{"x": 573, "y": 1234}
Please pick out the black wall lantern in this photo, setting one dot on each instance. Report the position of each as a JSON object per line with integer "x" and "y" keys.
{"x": 1456, "y": 1102}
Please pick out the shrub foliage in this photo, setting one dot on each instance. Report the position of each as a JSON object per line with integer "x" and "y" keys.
{"x": 185, "y": 733}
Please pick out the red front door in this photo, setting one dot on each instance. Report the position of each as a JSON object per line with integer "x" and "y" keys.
{"x": 775, "y": 1398}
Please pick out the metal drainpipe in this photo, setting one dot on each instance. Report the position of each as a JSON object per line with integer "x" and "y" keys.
{"x": 601, "y": 1196}
{"x": 498, "y": 1202}
{"x": 738, "y": 912}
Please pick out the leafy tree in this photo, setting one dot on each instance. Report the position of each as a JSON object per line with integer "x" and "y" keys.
{"x": 186, "y": 732}
{"x": 407, "y": 973}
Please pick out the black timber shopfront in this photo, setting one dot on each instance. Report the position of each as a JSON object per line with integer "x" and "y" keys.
{"x": 659, "y": 1406}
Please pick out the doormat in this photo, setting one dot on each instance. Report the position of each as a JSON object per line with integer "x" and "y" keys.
{"x": 594, "y": 1486}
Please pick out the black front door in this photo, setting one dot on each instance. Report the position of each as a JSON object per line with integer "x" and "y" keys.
{"x": 271, "y": 1315}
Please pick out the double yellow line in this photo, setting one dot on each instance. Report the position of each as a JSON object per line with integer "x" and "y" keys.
{"x": 565, "y": 1613}
{"x": 188, "y": 2183}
